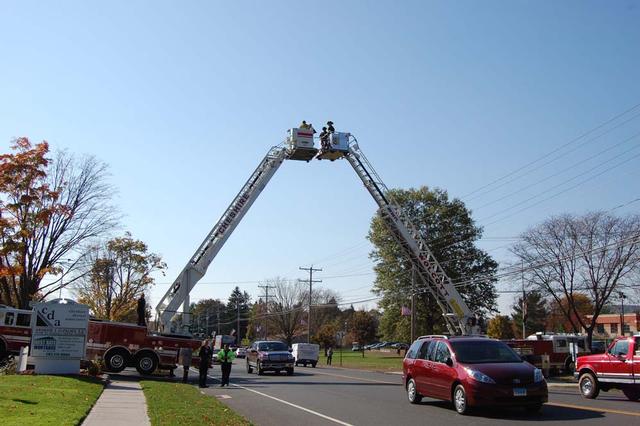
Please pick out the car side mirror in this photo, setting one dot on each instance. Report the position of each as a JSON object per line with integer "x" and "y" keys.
{"x": 449, "y": 362}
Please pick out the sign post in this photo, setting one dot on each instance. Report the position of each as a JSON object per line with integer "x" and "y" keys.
{"x": 59, "y": 336}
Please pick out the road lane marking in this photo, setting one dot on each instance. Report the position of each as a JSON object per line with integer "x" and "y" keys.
{"x": 299, "y": 407}
{"x": 599, "y": 410}
{"x": 358, "y": 378}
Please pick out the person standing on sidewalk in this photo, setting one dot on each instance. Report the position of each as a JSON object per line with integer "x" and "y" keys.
{"x": 226, "y": 357}
{"x": 142, "y": 311}
{"x": 205, "y": 359}
{"x": 329, "y": 355}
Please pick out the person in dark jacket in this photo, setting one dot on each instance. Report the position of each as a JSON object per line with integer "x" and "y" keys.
{"x": 330, "y": 127}
{"x": 142, "y": 311}
{"x": 205, "y": 359}
{"x": 329, "y": 355}
{"x": 324, "y": 139}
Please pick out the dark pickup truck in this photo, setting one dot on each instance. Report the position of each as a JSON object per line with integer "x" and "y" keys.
{"x": 269, "y": 355}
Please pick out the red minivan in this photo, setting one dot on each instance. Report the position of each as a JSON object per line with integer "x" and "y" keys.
{"x": 471, "y": 371}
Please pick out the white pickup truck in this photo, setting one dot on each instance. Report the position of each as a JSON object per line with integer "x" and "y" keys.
{"x": 306, "y": 353}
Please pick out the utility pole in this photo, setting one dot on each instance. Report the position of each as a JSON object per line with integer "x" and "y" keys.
{"x": 622, "y": 297}
{"x": 311, "y": 270}
{"x": 266, "y": 288}
{"x": 524, "y": 302}
{"x": 238, "y": 326}
{"x": 218, "y": 315}
{"x": 413, "y": 303}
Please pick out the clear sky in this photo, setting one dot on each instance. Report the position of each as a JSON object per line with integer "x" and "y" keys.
{"x": 183, "y": 99}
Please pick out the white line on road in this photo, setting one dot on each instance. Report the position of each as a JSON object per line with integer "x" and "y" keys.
{"x": 315, "y": 413}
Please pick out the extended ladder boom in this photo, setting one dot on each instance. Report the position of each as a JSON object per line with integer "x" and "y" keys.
{"x": 458, "y": 316}
{"x": 178, "y": 293}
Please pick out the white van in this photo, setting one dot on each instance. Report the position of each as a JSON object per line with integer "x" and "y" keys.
{"x": 306, "y": 353}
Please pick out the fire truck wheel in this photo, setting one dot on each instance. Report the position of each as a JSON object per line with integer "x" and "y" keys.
{"x": 146, "y": 362}
{"x": 116, "y": 360}
{"x": 569, "y": 366}
{"x": 589, "y": 387}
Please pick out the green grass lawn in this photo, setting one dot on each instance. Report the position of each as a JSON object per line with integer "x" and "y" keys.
{"x": 46, "y": 400}
{"x": 171, "y": 403}
{"x": 373, "y": 360}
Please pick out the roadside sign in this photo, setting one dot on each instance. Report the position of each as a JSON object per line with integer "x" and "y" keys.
{"x": 59, "y": 336}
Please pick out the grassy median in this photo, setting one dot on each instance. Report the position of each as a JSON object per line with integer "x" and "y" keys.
{"x": 373, "y": 360}
{"x": 46, "y": 400}
{"x": 171, "y": 403}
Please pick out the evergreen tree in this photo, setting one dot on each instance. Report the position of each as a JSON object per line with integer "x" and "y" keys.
{"x": 535, "y": 314}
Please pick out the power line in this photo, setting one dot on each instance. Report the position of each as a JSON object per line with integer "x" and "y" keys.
{"x": 564, "y": 170}
{"x": 547, "y": 155}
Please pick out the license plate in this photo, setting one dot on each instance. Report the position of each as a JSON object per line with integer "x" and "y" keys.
{"x": 519, "y": 392}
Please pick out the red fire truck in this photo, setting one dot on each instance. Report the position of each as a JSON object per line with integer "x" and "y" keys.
{"x": 15, "y": 330}
{"x": 120, "y": 345}
{"x": 556, "y": 346}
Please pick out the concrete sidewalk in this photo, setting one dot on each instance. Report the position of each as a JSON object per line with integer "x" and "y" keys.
{"x": 121, "y": 403}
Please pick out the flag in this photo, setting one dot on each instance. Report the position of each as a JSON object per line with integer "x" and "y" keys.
{"x": 405, "y": 312}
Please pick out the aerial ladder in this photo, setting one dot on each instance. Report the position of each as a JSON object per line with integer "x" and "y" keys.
{"x": 299, "y": 145}
{"x": 459, "y": 319}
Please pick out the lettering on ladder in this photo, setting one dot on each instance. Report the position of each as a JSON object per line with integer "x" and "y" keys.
{"x": 235, "y": 210}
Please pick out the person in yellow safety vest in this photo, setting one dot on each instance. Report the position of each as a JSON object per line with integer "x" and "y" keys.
{"x": 304, "y": 125}
{"x": 226, "y": 357}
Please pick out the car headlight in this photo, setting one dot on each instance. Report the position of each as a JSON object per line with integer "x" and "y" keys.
{"x": 478, "y": 376}
{"x": 537, "y": 375}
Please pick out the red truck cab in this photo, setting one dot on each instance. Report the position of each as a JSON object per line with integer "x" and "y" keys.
{"x": 617, "y": 368}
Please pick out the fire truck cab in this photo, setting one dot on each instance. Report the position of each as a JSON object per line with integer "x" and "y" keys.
{"x": 15, "y": 330}
{"x": 556, "y": 346}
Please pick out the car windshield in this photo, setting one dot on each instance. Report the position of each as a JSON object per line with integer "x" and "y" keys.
{"x": 272, "y": 346}
{"x": 483, "y": 352}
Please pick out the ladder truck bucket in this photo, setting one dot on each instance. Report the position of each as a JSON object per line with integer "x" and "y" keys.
{"x": 337, "y": 147}
{"x": 300, "y": 144}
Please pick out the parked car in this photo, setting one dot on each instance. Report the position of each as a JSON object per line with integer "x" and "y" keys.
{"x": 471, "y": 372}
{"x": 356, "y": 347}
{"x": 241, "y": 352}
{"x": 269, "y": 355}
{"x": 370, "y": 345}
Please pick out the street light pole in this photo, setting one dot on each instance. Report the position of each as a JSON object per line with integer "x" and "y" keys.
{"x": 622, "y": 297}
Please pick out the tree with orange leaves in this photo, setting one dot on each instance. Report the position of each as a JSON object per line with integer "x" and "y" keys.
{"x": 48, "y": 208}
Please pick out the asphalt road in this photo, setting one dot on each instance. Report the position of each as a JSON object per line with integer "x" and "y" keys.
{"x": 323, "y": 396}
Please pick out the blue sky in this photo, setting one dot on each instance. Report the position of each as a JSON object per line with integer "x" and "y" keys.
{"x": 183, "y": 99}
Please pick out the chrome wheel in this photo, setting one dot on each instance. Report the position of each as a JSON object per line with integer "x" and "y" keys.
{"x": 412, "y": 393}
{"x": 146, "y": 363}
{"x": 460, "y": 400}
{"x": 116, "y": 361}
{"x": 588, "y": 386}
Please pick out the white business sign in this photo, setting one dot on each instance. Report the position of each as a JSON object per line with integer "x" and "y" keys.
{"x": 59, "y": 336}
